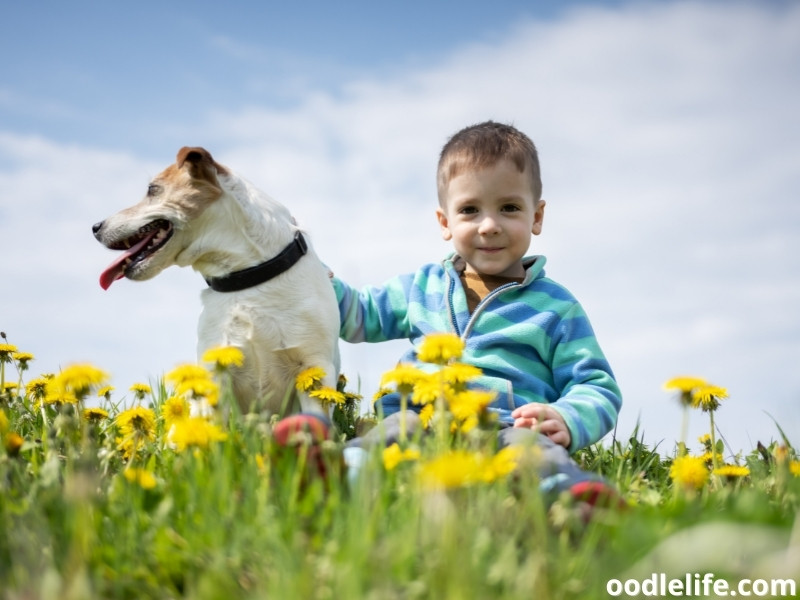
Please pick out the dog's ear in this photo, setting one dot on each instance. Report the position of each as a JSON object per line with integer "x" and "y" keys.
{"x": 202, "y": 164}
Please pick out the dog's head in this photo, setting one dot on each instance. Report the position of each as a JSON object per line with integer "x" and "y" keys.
{"x": 153, "y": 233}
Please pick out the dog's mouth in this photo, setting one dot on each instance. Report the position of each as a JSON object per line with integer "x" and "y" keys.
{"x": 136, "y": 248}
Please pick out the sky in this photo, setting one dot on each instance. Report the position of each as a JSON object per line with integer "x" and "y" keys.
{"x": 668, "y": 134}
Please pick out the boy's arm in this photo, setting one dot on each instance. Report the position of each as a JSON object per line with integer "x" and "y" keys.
{"x": 590, "y": 397}
{"x": 374, "y": 314}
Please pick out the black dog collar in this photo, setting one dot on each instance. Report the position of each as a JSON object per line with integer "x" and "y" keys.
{"x": 252, "y": 276}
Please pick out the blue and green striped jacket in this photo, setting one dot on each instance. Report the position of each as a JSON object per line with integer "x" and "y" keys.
{"x": 532, "y": 340}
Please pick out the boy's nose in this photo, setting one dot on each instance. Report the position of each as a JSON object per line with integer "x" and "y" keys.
{"x": 488, "y": 226}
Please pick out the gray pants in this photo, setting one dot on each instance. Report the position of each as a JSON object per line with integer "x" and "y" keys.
{"x": 557, "y": 470}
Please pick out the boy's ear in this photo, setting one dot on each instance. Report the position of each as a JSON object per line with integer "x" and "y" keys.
{"x": 442, "y": 218}
{"x": 538, "y": 218}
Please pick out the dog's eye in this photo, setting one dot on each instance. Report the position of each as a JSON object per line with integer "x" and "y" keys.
{"x": 153, "y": 190}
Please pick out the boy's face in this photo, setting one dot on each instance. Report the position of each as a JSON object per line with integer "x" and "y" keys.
{"x": 490, "y": 216}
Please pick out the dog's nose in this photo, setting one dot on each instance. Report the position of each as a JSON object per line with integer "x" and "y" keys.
{"x": 96, "y": 227}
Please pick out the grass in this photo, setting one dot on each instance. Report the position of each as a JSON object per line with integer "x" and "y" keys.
{"x": 122, "y": 506}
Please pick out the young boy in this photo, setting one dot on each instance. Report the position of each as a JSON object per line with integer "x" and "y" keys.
{"x": 528, "y": 334}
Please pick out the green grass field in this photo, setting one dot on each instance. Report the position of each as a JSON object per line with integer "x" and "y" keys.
{"x": 122, "y": 494}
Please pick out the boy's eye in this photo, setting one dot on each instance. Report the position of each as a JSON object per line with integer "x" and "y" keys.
{"x": 510, "y": 208}
{"x": 468, "y": 210}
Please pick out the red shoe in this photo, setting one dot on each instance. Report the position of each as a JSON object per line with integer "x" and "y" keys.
{"x": 597, "y": 494}
{"x": 303, "y": 434}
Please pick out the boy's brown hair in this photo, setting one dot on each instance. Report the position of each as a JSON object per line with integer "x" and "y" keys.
{"x": 482, "y": 145}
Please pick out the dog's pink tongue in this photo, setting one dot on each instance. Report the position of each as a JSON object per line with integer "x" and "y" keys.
{"x": 116, "y": 270}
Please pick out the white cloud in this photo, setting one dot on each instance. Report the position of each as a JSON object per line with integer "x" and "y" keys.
{"x": 669, "y": 143}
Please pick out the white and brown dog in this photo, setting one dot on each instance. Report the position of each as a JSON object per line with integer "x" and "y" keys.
{"x": 269, "y": 294}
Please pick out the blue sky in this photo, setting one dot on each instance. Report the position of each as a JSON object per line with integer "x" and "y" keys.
{"x": 668, "y": 134}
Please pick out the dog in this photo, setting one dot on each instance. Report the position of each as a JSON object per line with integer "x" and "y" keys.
{"x": 269, "y": 294}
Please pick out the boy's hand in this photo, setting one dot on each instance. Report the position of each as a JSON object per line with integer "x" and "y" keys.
{"x": 545, "y": 420}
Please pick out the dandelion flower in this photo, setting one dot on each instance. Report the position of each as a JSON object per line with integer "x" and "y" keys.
{"x": 426, "y": 415}
{"x": 13, "y": 443}
{"x": 174, "y": 409}
{"x": 470, "y": 403}
{"x": 382, "y": 391}
{"x": 186, "y": 372}
{"x": 10, "y": 386}
{"x": 685, "y": 384}
{"x": 199, "y": 388}
{"x": 6, "y": 350}
{"x": 22, "y": 358}
{"x": 457, "y": 374}
{"x": 137, "y": 421}
{"x": 309, "y": 379}
{"x": 105, "y": 392}
{"x": 428, "y": 388}
{"x": 440, "y": 348}
{"x": 194, "y": 432}
{"x": 224, "y": 357}
{"x": 731, "y": 472}
{"x": 94, "y": 415}
{"x": 708, "y": 397}
{"x": 705, "y": 440}
{"x": 503, "y": 463}
{"x": 689, "y": 471}
{"x": 141, "y": 390}
{"x": 393, "y": 456}
{"x": 3, "y": 422}
{"x": 404, "y": 377}
{"x": 144, "y": 479}
{"x": 328, "y": 395}
{"x": 80, "y": 378}
{"x": 37, "y": 388}
{"x": 456, "y": 468}
{"x": 794, "y": 468}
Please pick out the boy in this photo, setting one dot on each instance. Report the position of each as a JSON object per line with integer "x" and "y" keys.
{"x": 528, "y": 335}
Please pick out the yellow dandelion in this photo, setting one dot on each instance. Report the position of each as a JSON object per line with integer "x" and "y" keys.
{"x": 428, "y": 388}
{"x": 37, "y": 388}
{"x": 731, "y": 472}
{"x": 22, "y": 358}
{"x": 382, "y": 391}
{"x": 224, "y": 357}
{"x": 708, "y": 397}
{"x": 194, "y": 432}
{"x": 710, "y": 457}
{"x": 457, "y": 374}
{"x": 56, "y": 392}
{"x": 140, "y": 390}
{"x": 794, "y": 468}
{"x": 503, "y": 463}
{"x": 309, "y": 379}
{"x": 174, "y": 409}
{"x": 138, "y": 421}
{"x": 705, "y": 440}
{"x": 403, "y": 377}
{"x": 105, "y": 392}
{"x": 440, "y": 348}
{"x": 144, "y": 479}
{"x": 426, "y": 415}
{"x": 81, "y": 377}
{"x": 186, "y": 372}
{"x": 689, "y": 472}
{"x": 10, "y": 386}
{"x": 199, "y": 388}
{"x": 94, "y": 415}
{"x": 684, "y": 385}
{"x": 328, "y": 395}
{"x": 6, "y": 350}
{"x": 456, "y": 468}
{"x": 13, "y": 443}
{"x": 470, "y": 403}
{"x": 3, "y": 422}
{"x": 393, "y": 456}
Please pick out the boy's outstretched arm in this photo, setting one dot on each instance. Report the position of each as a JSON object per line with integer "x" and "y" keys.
{"x": 374, "y": 314}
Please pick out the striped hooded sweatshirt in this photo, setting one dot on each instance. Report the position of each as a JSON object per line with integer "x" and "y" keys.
{"x": 532, "y": 340}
